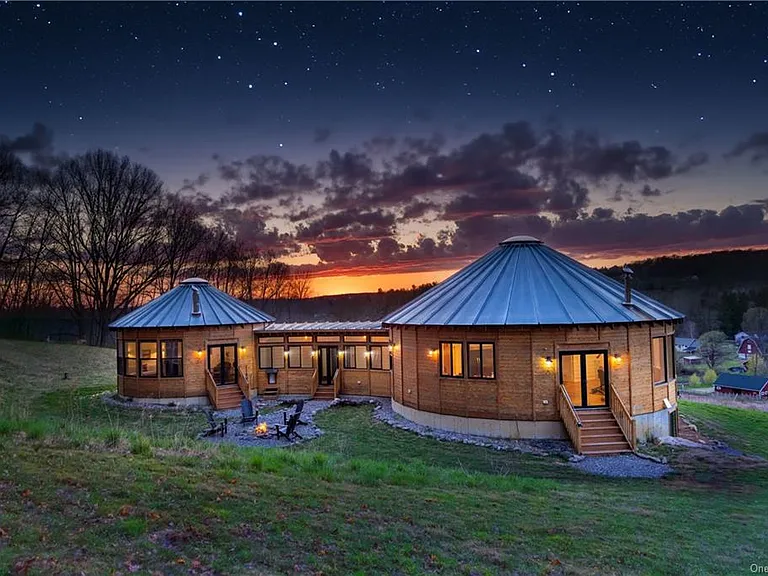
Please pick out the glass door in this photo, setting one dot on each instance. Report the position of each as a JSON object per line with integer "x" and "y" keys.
{"x": 327, "y": 364}
{"x": 222, "y": 363}
{"x": 585, "y": 377}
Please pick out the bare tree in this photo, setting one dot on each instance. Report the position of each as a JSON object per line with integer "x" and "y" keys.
{"x": 106, "y": 219}
{"x": 713, "y": 347}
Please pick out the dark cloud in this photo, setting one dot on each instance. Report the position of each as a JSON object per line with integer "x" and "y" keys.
{"x": 648, "y": 192}
{"x": 195, "y": 184}
{"x": 756, "y": 146}
{"x": 417, "y": 209}
{"x": 37, "y": 145}
{"x": 321, "y": 135}
{"x": 250, "y": 227}
{"x": 261, "y": 178}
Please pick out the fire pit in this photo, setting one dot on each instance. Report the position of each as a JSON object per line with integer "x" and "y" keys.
{"x": 261, "y": 429}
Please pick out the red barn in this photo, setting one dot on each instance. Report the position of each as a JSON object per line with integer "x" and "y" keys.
{"x": 740, "y": 384}
{"x": 748, "y": 347}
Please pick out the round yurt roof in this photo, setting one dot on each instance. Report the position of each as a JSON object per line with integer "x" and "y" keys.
{"x": 193, "y": 302}
{"x": 524, "y": 282}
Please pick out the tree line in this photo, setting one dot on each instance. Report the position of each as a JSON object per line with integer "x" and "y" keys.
{"x": 99, "y": 235}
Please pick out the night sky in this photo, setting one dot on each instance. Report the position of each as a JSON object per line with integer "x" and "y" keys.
{"x": 385, "y": 144}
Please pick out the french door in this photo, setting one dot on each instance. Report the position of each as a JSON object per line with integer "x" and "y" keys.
{"x": 327, "y": 364}
{"x": 222, "y": 363}
{"x": 585, "y": 377}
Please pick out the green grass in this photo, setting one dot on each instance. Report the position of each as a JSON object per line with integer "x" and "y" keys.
{"x": 85, "y": 488}
{"x": 744, "y": 429}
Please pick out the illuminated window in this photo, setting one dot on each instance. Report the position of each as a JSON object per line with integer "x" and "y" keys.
{"x": 672, "y": 369}
{"x": 480, "y": 360}
{"x": 354, "y": 357}
{"x": 148, "y": 353}
{"x": 380, "y": 358}
{"x": 452, "y": 359}
{"x": 658, "y": 360}
{"x": 300, "y": 357}
{"x": 271, "y": 357}
{"x": 131, "y": 365}
{"x": 172, "y": 364}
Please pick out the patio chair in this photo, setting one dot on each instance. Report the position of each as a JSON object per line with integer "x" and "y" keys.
{"x": 296, "y": 412}
{"x": 289, "y": 430}
{"x": 248, "y": 414}
{"x": 215, "y": 426}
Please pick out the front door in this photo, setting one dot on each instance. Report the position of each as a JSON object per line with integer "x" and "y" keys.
{"x": 327, "y": 364}
{"x": 222, "y": 363}
{"x": 585, "y": 377}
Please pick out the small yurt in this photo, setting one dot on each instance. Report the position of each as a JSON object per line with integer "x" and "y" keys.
{"x": 526, "y": 342}
{"x": 191, "y": 345}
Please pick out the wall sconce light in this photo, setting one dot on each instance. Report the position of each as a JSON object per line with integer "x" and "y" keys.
{"x": 548, "y": 362}
{"x": 242, "y": 349}
{"x": 391, "y": 347}
{"x": 314, "y": 353}
{"x": 285, "y": 353}
{"x": 341, "y": 353}
{"x": 199, "y": 352}
{"x": 367, "y": 352}
{"x": 617, "y": 358}
{"x": 432, "y": 353}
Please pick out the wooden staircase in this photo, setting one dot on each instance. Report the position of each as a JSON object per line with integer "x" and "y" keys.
{"x": 601, "y": 434}
{"x": 323, "y": 393}
{"x": 228, "y": 397}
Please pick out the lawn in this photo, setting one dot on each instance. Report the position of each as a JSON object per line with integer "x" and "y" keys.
{"x": 746, "y": 430}
{"x": 86, "y": 488}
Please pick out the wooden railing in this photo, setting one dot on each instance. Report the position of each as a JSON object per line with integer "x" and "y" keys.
{"x": 623, "y": 417}
{"x": 242, "y": 382}
{"x": 570, "y": 418}
{"x": 336, "y": 383}
{"x": 210, "y": 386}
{"x": 314, "y": 384}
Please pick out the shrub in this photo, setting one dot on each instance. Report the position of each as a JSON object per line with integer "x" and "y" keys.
{"x": 112, "y": 438}
{"x": 694, "y": 380}
{"x": 141, "y": 446}
{"x": 709, "y": 377}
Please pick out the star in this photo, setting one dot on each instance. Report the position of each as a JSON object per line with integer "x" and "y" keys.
{"x": 250, "y": 85}
{"x": 551, "y": 74}
{"x": 240, "y": 13}
{"x": 274, "y": 43}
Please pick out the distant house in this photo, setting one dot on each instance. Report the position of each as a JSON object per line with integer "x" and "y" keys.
{"x": 748, "y": 347}
{"x": 691, "y": 359}
{"x": 740, "y": 384}
{"x": 686, "y": 344}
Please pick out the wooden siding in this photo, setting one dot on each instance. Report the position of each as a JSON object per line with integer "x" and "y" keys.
{"x": 524, "y": 387}
{"x": 192, "y": 384}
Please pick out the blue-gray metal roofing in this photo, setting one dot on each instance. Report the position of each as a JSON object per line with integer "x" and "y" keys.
{"x": 741, "y": 382}
{"x": 174, "y": 310}
{"x": 522, "y": 283}
{"x": 359, "y": 325}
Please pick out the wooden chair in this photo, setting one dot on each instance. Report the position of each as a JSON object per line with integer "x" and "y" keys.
{"x": 289, "y": 430}
{"x": 248, "y": 414}
{"x": 296, "y": 412}
{"x": 214, "y": 426}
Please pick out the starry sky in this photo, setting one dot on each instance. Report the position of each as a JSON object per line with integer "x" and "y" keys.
{"x": 385, "y": 144}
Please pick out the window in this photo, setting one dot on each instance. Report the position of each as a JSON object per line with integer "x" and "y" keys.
{"x": 148, "y": 352}
{"x": 379, "y": 358}
{"x": 120, "y": 357}
{"x": 354, "y": 357}
{"x": 300, "y": 339}
{"x": 452, "y": 359}
{"x": 270, "y": 340}
{"x": 480, "y": 360}
{"x": 130, "y": 358}
{"x": 300, "y": 357}
{"x": 380, "y": 339}
{"x": 658, "y": 360}
{"x": 271, "y": 357}
{"x": 355, "y": 339}
{"x": 672, "y": 369}
{"x": 172, "y": 365}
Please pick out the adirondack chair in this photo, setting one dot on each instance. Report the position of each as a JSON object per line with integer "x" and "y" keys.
{"x": 289, "y": 430}
{"x": 296, "y": 411}
{"x": 248, "y": 414}
{"x": 214, "y": 426}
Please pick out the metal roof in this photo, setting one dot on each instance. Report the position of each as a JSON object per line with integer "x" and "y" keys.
{"x": 523, "y": 282}
{"x": 360, "y": 325}
{"x": 175, "y": 309}
{"x": 741, "y": 382}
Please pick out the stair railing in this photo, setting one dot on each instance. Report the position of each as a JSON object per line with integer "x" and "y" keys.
{"x": 210, "y": 387}
{"x": 336, "y": 383}
{"x": 313, "y": 384}
{"x": 242, "y": 382}
{"x": 623, "y": 417}
{"x": 570, "y": 418}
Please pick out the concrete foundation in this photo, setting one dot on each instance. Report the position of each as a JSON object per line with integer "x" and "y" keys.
{"x": 484, "y": 426}
{"x": 191, "y": 401}
{"x": 653, "y": 425}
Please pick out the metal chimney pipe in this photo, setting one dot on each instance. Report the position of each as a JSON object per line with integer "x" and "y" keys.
{"x": 195, "y": 302}
{"x": 628, "y": 272}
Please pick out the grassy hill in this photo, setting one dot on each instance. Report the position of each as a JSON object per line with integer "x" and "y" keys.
{"x": 87, "y": 488}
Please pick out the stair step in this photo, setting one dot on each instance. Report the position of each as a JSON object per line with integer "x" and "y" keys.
{"x": 604, "y": 445}
{"x": 607, "y": 439}
{"x": 608, "y": 452}
{"x": 598, "y": 422}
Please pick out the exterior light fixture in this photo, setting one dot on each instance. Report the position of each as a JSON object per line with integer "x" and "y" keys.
{"x": 548, "y": 362}
{"x": 341, "y": 353}
{"x": 617, "y": 358}
{"x": 367, "y": 352}
{"x": 199, "y": 352}
{"x": 391, "y": 347}
{"x": 242, "y": 348}
{"x": 285, "y": 353}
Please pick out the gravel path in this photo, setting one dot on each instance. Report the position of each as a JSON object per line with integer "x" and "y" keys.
{"x": 622, "y": 466}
